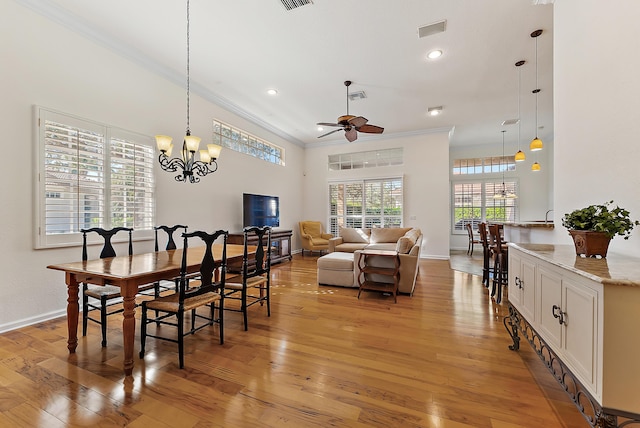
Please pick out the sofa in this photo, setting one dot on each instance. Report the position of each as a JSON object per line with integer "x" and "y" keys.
{"x": 406, "y": 241}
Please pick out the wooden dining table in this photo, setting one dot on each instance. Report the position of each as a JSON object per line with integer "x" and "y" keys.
{"x": 129, "y": 272}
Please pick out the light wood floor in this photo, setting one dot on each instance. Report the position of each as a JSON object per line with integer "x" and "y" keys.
{"x": 324, "y": 358}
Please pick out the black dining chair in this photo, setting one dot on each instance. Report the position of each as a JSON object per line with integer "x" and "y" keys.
{"x": 169, "y": 284}
{"x": 500, "y": 263}
{"x": 98, "y": 297}
{"x": 253, "y": 285}
{"x": 190, "y": 296}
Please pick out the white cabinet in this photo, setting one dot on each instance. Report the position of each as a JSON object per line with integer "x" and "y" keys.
{"x": 522, "y": 284}
{"x": 562, "y": 308}
{"x": 568, "y": 321}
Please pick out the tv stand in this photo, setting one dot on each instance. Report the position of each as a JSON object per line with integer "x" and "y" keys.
{"x": 280, "y": 244}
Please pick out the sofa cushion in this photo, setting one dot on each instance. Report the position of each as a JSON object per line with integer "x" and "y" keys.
{"x": 356, "y": 235}
{"x": 386, "y": 246}
{"x": 388, "y": 234}
{"x": 350, "y": 247}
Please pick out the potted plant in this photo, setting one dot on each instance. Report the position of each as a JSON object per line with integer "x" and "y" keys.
{"x": 594, "y": 226}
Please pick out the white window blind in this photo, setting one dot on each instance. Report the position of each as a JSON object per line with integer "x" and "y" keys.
{"x": 90, "y": 175}
{"x": 367, "y": 203}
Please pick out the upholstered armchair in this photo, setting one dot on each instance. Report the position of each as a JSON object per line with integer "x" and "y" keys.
{"x": 312, "y": 237}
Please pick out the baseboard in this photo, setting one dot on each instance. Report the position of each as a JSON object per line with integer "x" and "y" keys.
{"x": 33, "y": 320}
{"x": 433, "y": 257}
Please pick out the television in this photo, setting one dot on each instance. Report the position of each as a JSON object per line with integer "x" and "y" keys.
{"x": 260, "y": 210}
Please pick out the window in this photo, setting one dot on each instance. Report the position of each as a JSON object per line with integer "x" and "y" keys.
{"x": 474, "y": 201}
{"x": 243, "y": 142}
{"x": 367, "y": 203}
{"x": 368, "y": 159}
{"x": 484, "y": 165}
{"x": 90, "y": 175}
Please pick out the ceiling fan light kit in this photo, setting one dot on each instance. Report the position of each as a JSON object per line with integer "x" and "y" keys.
{"x": 350, "y": 124}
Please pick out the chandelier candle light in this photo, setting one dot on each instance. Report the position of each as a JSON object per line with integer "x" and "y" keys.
{"x": 187, "y": 163}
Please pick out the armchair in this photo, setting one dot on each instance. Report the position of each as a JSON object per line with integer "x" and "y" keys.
{"x": 312, "y": 237}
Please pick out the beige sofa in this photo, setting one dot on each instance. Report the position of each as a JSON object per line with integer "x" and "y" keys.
{"x": 407, "y": 241}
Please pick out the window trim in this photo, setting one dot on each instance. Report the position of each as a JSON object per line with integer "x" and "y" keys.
{"x": 40, "y": 238}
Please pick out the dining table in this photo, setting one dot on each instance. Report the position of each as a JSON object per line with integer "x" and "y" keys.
{"x": 128, "y": 273}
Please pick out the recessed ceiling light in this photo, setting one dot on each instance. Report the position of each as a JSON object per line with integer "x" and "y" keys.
{"x": 272, "y": 92}
{"x": 434, "y": 54}
{"x": 434, "y": 111}
{"x": 320, "y": 128}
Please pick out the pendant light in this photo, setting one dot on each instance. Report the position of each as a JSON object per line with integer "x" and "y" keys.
{"x": 520, "y": 156}
{"x": 503, "y": 194}
{"x": 536, "y": 143}
{"x": 188, "y": 167}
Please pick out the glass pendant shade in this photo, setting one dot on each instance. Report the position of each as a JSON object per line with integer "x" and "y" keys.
{"x": 163, "y": 142}
{"x": 535, "y": 167}
{"x": 214, "y": 151}
{"x": 168, "y": 152}
{"x": 536, "y": 144}
{"x": 520, "y": 156}
{"x": 204, "y": 156}
{"x": 192, "y": 143}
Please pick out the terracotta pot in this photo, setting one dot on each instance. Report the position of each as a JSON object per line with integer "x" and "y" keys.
{"x": 590, "y": 243}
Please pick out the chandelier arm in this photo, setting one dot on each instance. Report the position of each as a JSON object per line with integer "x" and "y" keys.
{"x": 170, "y": 165}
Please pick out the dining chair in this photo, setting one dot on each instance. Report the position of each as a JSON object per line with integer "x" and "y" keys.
{"x": 101, "y": 298}
{"x": 170, "y": 284}
{"x": 500, "y": 264}
{"x": 253, "y": 285}
{"x": 472, "y": 239}
{"x": 191, "y": 295}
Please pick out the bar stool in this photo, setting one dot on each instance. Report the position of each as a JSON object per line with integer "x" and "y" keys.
{"x": 500, "y": 263}
{"x": 487, "y": 254}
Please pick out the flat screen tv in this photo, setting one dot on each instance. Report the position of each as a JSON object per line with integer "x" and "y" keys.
{"x": 260, "y": 210}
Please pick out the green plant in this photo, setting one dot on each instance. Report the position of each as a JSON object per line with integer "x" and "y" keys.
{"x": 600, "y": 218}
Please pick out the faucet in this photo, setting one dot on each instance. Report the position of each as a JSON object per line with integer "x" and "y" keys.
{"x": 545, "y": 216}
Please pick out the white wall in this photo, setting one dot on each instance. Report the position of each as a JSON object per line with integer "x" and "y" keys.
{"x": 596, "y": 104}
{"x": 535, "y": 195}
{"x": 426, "y": 183}
{"x": 48, "y": 65}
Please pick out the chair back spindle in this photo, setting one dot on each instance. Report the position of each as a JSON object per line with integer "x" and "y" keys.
{"x": 171, "y": 244}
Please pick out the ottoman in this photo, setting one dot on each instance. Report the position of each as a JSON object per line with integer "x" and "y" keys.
{"x": 336, "y": 269}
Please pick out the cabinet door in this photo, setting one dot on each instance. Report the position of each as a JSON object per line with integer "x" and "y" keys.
{"x": 549, "y": 327}
{"x": 580, "y": 305}
{"x": 528, "y": 289}
{"x": 515, "y": 292}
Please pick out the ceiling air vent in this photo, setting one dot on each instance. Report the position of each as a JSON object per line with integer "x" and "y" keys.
{"x": 292, "y": 4}
{"x": 435, "y": 28}
{"x": 357, "y": 95}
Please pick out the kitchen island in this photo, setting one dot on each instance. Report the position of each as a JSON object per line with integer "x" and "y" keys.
{"x": 527, "y": 232}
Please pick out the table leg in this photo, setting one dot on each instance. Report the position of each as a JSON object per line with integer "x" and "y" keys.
{"x": 128, "y": 292}
{"x": 72, "y": 312}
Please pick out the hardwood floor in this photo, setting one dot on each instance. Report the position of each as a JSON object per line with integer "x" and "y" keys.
{"x": 323, "y": 358}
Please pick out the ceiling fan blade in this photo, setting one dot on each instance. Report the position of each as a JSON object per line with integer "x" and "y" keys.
{"x": 371, "y": 129}
{"x": 351, "y": 135}
{"x": 358, "y": 121}
{"x": 328, "y": 124}
{"x": 329, "y": 133}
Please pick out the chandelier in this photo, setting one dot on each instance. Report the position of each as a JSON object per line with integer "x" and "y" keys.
{"x": 504, "y": 194}
{"x": 190, "y": 168}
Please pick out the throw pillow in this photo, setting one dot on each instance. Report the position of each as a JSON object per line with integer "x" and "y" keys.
{"x": 354, "y": 235}
{"x": 404, "y": 245}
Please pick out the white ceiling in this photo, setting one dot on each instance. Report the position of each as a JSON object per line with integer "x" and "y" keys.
{"x": 240, "y": 48}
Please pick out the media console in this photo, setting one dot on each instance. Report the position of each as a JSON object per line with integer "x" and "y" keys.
{"x": 280, "y": 244}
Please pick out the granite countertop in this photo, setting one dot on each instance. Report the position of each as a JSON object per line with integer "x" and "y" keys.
{"x": 528, "y": 224}
{"x": 616, "y": 269}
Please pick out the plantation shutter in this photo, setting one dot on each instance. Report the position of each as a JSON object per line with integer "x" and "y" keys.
{"x": 74, "y": 176}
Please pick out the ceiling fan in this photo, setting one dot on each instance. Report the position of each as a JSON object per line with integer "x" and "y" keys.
{"x": 351, "y": 124}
